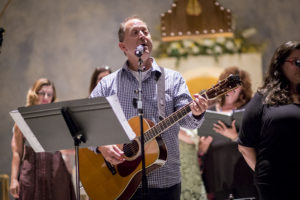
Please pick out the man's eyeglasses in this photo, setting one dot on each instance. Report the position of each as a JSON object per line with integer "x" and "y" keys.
{"x": 295, "y": 62}
{"x": 45, "y": 93}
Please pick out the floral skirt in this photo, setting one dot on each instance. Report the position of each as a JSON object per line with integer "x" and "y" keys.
{"x": 192, "y": 186}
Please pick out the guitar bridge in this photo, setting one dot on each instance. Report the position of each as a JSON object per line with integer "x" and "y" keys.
{"x": 111, "y": 168}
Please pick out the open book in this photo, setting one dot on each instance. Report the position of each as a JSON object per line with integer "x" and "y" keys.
{"x": 212, "y": 117}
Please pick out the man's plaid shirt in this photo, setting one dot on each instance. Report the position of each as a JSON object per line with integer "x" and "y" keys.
{"x": 124, "y": 84}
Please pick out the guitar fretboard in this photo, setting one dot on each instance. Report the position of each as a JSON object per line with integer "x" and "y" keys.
{"x": 167, "y": 123}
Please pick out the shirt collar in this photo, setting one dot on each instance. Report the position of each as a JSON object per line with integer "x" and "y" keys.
{"x": 154, "y": 68}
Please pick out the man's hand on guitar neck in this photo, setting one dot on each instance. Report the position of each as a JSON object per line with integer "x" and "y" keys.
{"x": 199, "y": 105}
{"x": 112, "y": 154}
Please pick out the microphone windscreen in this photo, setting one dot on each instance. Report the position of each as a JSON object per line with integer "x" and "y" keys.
{"x": 139, "y": 51}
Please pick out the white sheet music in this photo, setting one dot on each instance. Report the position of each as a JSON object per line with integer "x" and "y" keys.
{"x": 28, "y": 134}
{"x": 115, "y": 104}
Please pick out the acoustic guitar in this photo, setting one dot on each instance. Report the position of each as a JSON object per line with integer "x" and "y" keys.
{"x": 103, "y": 181}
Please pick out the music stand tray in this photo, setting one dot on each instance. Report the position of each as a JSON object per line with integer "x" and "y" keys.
{"x": 68, "y": 124}
{"x": 101, "y": 120}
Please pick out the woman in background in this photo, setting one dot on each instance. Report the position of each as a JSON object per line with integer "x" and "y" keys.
{"x": 225, "y": 173}
{"x": 97, "y": 75}
{"x": 233, "y": 100}
{"x": 38, "y": 176}
{"x": 270, "y": 133}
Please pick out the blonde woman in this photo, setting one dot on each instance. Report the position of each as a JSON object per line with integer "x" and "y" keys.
{"x": 38, "y": 176}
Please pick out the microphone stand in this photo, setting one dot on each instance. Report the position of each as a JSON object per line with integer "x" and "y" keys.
{"x": 140, "y": 113}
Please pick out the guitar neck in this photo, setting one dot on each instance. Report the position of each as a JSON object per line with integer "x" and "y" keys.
{"x": 167, "y": 123}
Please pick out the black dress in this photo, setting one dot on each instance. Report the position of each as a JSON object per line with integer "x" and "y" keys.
{"x": 225, "y": 171}
{"x": 274, "y": 131}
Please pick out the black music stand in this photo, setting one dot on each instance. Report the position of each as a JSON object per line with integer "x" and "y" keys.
{"x": 68, "y": 124}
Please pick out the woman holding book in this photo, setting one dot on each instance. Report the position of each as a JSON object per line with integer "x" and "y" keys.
{"x": 233, "y": 100}
{"x": 224, "y": 169}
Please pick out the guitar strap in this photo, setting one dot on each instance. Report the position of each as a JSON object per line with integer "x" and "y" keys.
{"x": 161, "y": 100}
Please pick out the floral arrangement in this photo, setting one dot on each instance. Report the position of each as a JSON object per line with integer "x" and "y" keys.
{"x": 241, "y": 43}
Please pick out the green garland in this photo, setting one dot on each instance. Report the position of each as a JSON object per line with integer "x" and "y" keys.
{"x": 215, "y": 47}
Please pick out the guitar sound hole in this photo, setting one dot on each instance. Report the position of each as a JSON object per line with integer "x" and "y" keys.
{"x": 131, "y": 149}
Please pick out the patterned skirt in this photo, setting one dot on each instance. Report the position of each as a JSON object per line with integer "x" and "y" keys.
{"x": 192, "y": 186}
{"x": 44, "y": 176}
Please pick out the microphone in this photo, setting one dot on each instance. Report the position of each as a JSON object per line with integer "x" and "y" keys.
{"x": 139, "y": 51}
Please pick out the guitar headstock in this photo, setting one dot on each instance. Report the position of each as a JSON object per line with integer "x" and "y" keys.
{"x": 223, "y": 86}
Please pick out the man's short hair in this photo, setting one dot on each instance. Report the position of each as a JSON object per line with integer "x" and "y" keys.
{"x": 121, "y": 32}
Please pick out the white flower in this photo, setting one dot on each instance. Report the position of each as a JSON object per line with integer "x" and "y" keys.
{"x": 175, "y": 45}
{"x": 220, "y": 40}
{"x": 218, "y": 49}
{"x": 187, "y": 43}
{"x": 195, "y": 49}
{"x": 208, "y": 42}
{"x": 229, "y": 45}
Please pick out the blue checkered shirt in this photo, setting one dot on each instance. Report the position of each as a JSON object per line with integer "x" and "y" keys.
{"x": 123, "y": 83}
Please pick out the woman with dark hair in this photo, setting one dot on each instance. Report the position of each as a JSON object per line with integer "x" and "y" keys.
{"x": 270, "y": 133}
{"x": 225, "y": 172}
{"x": 38, "y": 176}
{"x": 97, "y": 75}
